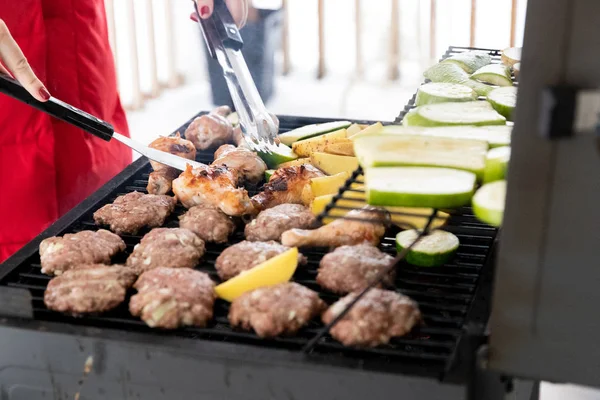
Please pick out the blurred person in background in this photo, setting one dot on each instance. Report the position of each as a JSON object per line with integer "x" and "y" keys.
{"x": 58, "y": 48}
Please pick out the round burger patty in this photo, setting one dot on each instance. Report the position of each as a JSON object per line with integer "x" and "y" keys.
{"x": 91, "y": 288}
{"x": 377, "y": 317}
{"x": 245, "y": 255}
{"x": 59, "y": 254}
{"x": 172, "y": 297}
{"x": 133, "y": 211}
{"x": 272, "y": 222}
{"x": 351, "y": 268}
{"x": 167, "y": 247}
{"x": 275, "y": 310}
{"x": 208, "y": 222}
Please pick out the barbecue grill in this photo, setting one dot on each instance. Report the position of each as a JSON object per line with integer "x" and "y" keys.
{"x": 453, "y": 356}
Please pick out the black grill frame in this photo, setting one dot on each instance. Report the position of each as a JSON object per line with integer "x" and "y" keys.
{"x": 457, "y": 343}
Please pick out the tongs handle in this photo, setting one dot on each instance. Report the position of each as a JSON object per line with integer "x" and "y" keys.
{"x": 58, "y": 109}
{"x": 220, "y": 28}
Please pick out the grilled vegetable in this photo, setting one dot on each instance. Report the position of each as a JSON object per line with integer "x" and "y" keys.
{"x": 504, "y": 100}
{"x": 282, "y": 154}
{"x": 333, "y": 164}
{"x": 234, "y": 119}
{"x": 328, "y": 184}
{"x": 488, "y": 203}
{"x": 496, "y": 164}
{"x": 419, "y": 187}
{"x": 276, "y": 270}
{"x": 353, "y": 129}
{"x": 447, "y": 114}
{"x": 511, "y": 56}
{"x": 342, "y": 147}
{"x": 432, "y": 250}
{"x": 495, "y": 135}
{"x": 495, "y": 74}
{"x": 470, "y": 61}
{"x": 517, "y": 70}
{"x": 442, "y": 92}
{"x": 411, "y": 150}
{"x": 311, "y": 130}
{"x": 305, "y": 148}
{"x": 268, "y": 174}
{"x": 452, "y": 73}
{"x": 375, "y": 128}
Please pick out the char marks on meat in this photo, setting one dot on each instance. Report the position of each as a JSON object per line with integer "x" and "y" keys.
{"x": 286, "y": 186}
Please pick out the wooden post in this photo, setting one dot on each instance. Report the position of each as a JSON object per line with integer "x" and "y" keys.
{"x": 358, "y": 43}
{"x": 174, "y": 78}
{"x": 394, "y": 42}
{"x": 137, "y": 99}
{"x": 473, "y": 22}
{"x": 285, "y": 40}
{"x": 432, "y": 49}
{"x": 112, "y": 33}
{"x": 155, "y": 87}
{"x": 513, "y": 23}
{"x": 321, "y": 18}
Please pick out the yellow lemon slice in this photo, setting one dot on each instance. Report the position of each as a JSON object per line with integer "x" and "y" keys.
{"x": 276, "y": 270}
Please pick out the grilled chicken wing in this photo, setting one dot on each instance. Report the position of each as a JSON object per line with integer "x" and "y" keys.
{"x": 344, "y": 231}
{"x": 212, "y": 185}
{"x": 209, "y": 131}
{"x": 247, "y": 163}
{"x": 286, "y": 186}
{"x": 160, "y": 180}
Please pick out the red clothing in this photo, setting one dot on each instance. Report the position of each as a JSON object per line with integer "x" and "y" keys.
{"x": 48, "y": 166}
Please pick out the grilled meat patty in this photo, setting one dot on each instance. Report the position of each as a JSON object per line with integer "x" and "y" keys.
{"x": 133, "y": 211}
{"x": 276, "y": 310}
{"x": 272, "y": 222}
{"x": 245, "y": 255}
{"x": 172, "y": 297}
{"x": 91, "y": 288}
{"x": 351, "y": 268}
{"x": 208, "y": 222}
{"x": 59, "y": 254}
{"x": 166, "y": 247}
{"x": 376, "y": 318}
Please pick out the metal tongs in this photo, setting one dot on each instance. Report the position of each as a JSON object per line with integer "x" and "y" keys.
{"x": 224, "y": 44}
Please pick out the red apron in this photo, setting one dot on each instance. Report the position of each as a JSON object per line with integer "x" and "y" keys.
{"x": 47, "y": 166}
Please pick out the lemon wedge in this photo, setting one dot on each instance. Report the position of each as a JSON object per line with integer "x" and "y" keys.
{"x": 276, "y": 270}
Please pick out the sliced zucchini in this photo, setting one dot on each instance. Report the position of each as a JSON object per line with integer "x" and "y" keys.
{"x": 234, "y": 119}
{"x": 443, "y": 92}
{"x": 488, "y": 203}
{"x": 511, "y": 56}
{"x": 309, "y": 131}
{"x": 496, "y": 164}
{"x": 426, "y": 151}
{"x": 470, "y": 61}
{"x": 282, "y": 154}
{"x": 504, "y": 100}
{"x": 495, "y": 74}
{"x": 476, "y": 113}
{"x": 419, "y": 187}
{"x": 495, "y": 135}
{"x": 452, "y": 73}
{"x": 432, "y": 250}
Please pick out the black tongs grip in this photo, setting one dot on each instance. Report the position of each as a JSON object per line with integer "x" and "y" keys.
{"x": 220, "y": 29}
{"x": 58, "y": 109}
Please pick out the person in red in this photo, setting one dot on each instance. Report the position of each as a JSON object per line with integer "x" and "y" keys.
{"x": 47, "y": 166}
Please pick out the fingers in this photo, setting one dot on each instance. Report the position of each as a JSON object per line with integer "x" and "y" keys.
{"x": 237, "y": 8}
{"x": 15, "y": 62}
{"x": 205, "y": 8}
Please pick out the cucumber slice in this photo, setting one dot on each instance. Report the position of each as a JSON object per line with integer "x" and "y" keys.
{"x": 495, "y": 74}
{"x": 488, "y": 203}
{"x": 452, "y": 73}
{"x": 517, "y": 70}
{"x": 448, "y": 114}
{"x": 415, "y": 150}
{"x": 280, "y": 155}
{"x": 234, "y": 119}
{"x": 470, "y": 61}
{"x": 504, "y": 100}
{"x": 412, "y": 119}
{"x": 419, "y": 187}
{"x": 309, "y": 131}
{"x": 442, "y": 92}
{"x": 495, "y": 135}
{"x": 511, "y": 56}
{"x": 432, "y": 250}
{"x": 496, "y": 164}
{"x": 268, "y": 174}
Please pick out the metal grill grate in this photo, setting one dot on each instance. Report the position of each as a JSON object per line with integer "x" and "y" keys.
{"x": 445, "y": 295}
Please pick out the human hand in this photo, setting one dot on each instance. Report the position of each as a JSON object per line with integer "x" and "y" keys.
{"x": 13, "y": 61}
{"x": 237, "y": 8}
